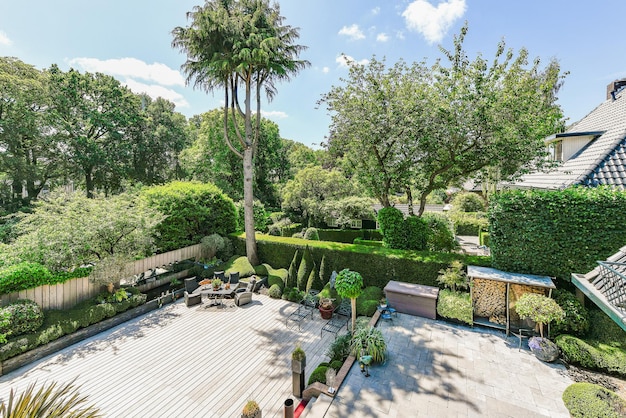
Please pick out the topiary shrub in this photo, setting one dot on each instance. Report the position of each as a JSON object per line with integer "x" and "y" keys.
{"x": 318, "y": 375}
{"x": 275, "y": 291}
{"x": 415, "y": 233}
{"x": 311, "y": 234}
{"x": 292, "y": 277}
{"x": 576, "y": 320}
{"x": 304, "y": 270}
{"x": 239, "y": 264}
{"x": 468, "y": 202}
{"x": 24, "y": 316}
{"x": 590, "y": 400}
{"x": 593, "y": 354}
{"x": 193, "y": 210}
{"x": 391, "y": 221}
{"x": 540, "y": 309}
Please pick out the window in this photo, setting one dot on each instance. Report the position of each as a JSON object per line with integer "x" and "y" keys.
{"x": 555, "y": 149}
{"x": 356, "y": 223}
{"x": 333, "y": 223}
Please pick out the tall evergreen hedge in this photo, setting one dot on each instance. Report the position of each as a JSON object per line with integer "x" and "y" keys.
{"x": 556, "y": 233}
{"x": 377, "y": 265}
{"x": 193, "y": 210}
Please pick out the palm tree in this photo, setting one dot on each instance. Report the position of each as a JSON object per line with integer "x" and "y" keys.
{"x": 233, "y": 44}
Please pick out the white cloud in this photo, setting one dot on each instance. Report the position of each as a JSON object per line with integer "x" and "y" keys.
{"x": 154, "y": 91}
{"x": 375, "y": 11}
{"x": 382, "y": 37}
{"x": 353, "y": 32}
{"x": 325, "y": 70}
{"x": 274, "y": 114}
{"x": 344, "y": 61}
{"x": 433, "y": 22}
{"x": 4, "y": 39}
{"x": 133, "y": 68}
{"x": 400, "y": 35}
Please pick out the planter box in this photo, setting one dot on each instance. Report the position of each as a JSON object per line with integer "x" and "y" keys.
{"x": 413, "y": 299}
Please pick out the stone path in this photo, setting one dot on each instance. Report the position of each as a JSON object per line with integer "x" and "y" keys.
{"x": 436, "y": 369}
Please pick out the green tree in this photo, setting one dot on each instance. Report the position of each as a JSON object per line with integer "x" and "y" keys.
{"x": 67, "y": 230}
{"x": 93, "y": 114}
{"x": 30, "y": 154}
{"x": 235, "y": 45}
{"x": 349, "y": 284}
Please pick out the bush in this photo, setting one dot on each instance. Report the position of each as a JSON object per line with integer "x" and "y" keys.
{"x": 468, "y": 202}
{"x": 593, "y": 355}
{"x": 416, "y": 233}
{"x": 336, "y": 365}
{"x": 292, "y": 276}
{"x": 339, "y": 349}
{"x": 292, "y": 294}
{"x": 368, "y": 300}
{"x": 483, "y": 238}
{"x": 369, "y": 341}
{"x": 441, "y": 232}
{"x": 261, "y": 218}
{"x": 304, "y": 270}
{"x": 391, "y": 222}
{"x": 469, "y": 223}
{"x": 24, "y": 316}
{"x": 576, "y": 320}
{"x": 556, "y": 233}
{"x": 193, "y": 210}
{"x": 275, "y": 291}
{"x": 455, "y": 305}
{"x": 318, "y": 375}
{"x": 23, "y": 276}
{"x": 311, "y": 234}
{"x": 347, "y": 236}
{"x": 238, "y": 264}
{"x": 539, "y": 309}
{"x": 605, "y": 330}
{"x": 591, "y": 401}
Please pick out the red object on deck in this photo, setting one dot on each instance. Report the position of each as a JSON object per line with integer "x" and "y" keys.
{"x": 299, "y": 408}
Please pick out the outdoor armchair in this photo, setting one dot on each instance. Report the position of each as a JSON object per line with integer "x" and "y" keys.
{"x": 192, "y": 298}
{"x": 244, "y": 295}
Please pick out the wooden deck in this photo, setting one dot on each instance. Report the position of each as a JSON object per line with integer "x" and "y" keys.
{"x": 186, "y": 362}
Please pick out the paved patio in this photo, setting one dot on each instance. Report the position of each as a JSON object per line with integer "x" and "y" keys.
{"x": 436, "y": 369}
{"x": 199, "y": 362}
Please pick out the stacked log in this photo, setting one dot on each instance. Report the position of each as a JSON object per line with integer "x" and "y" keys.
{"x": 489, "y": 299}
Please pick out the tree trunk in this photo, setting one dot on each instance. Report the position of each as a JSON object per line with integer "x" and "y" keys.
{"x": 353, "y": 305}
{"x": 89, "y": 183}
{"x": 248, "y": 200}
{"x": 409, "y": 200}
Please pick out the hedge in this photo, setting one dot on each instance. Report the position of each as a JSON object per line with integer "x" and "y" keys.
{"x": 377, "y": 265}
{"x": 193, "y": 210}
{"x": 469, "y": 223}
{"x": 591, "y": 400}
{"x": 348, "y": 236}
{"x": 556, "y": 233}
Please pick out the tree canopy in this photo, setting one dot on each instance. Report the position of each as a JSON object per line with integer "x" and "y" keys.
{"x": 423, "y": 128}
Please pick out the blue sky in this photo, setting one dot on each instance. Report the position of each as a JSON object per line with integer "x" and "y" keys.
{"x": 131, "y": 40}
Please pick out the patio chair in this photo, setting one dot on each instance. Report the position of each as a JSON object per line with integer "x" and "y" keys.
{"x": 244, "y": 295}
{"x": 340, "y": 319}
{"x": 305, "y": 308}
{"x": 219, "y": 275}
{"x": 233, "y": 279}
{"x": 191, "y": 298}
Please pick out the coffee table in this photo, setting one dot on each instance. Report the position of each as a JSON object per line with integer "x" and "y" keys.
{"x": 215, "y": 294}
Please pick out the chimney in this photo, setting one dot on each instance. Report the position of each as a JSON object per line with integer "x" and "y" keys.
{"x": 615, "y": 87}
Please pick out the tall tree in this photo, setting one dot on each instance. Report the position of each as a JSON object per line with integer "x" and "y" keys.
{"x": 233, "y": 44}
{"x": 94, "y": 113}
{"x": 30, "y": 154}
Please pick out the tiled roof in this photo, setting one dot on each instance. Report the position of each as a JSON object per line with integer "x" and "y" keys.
{"x": 602, "y": 161}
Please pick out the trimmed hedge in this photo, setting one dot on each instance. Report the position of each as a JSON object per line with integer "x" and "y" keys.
{"x": 469, "y": 223}
{"x": 348, "y": 236}
{"x": 590, "y": 400}
{"x": 556, "y": 233}
{"x": 455, "y": 305}
{"x": 593, "y": 354}
{"x": 193, "y": 210}
{"x": 24, "y": 316}
{"x": 377, "y": 265}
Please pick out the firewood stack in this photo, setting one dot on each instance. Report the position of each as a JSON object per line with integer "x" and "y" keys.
{"x": 489, "y": 300}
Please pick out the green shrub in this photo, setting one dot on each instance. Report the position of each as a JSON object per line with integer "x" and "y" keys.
{"x": 318, "y": 375}
{"x": 304, "y": 270}
{"x": 261, "y": 218}
{"x": 441, "y": 232}
{"x": 331, "y": 293}
{"x": 391, "y": 221}
{"x": 483, "y": 238}
{"x": 238, "y": 264}
{"x": 455, "y": 305}
{"x": 347, "y": 236}
{"x": 556, "y": 233}
{"x": 540, "y": 309}
{"x": 339, "y": 350}
{"x": 605, "y": 330}
{"x": 274, "y": 276}
{"x": 416, "y": 233}
{"x": 24, "y": 316}
{"x": 336, "y": 365}
{"x": 376, "y": 265}
{"x": 23, "y": 276}
{"x": 593, "y": 401}
{"x": 369, "y": 341}
{"x": 469, "y": 223}
{"x": 593, "y": 355}
{"x": 193, "y": 210}
{"x": 311, "y": 234}
{"x": 468, "y": 202}
{"x": 368, "y": 300}
{"x": 292, "y": 294}
{"x": 292, "y": 277}
{"x": 576, "y": 320}
{"x": 275, "y": 291}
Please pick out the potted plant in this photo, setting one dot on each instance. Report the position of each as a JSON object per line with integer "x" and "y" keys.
{"x": 326, "y": 307}
{"x": 216, "y": 283}
{"x": 298, "y": 360}
{"x": 541, "y": 310}
{"x": 349, "y": 284}
{"x": 251, "y": 410}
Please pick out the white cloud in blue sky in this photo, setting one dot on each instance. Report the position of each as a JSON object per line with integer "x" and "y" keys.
{"x": 353, "y": 32}
{"x": 4, "y": 39}
{"x": 375, "y": 11}
{"x": 155, "y": 90}
{"x": 132, "y": 67}
{"x": 344, "y": 60}
{"x": 382, "y": 37}
{"x": 274, "y": 114}
{"x": 431, "y": 21}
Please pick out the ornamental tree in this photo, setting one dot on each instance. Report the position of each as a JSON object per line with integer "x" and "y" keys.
{"x": 539, "y": 309}
{"x": 349, "y": 284}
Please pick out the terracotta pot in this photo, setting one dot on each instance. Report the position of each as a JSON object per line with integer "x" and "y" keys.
{"x": 326, "y": 313}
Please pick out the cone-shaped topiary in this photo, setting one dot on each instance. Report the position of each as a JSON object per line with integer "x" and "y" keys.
{"x": 292, "y": 277}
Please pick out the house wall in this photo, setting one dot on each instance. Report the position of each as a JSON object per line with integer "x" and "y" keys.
{"x": 572, "y": 145}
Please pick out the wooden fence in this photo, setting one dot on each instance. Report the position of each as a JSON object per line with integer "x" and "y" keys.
{"x": 66, "y": 295}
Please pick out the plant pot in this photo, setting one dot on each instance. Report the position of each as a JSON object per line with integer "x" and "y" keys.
{"x": 326, "y": 313}
{"x": 297, "y": 366}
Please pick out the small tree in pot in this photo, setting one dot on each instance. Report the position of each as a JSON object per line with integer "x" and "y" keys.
{"x": 349, "y": 284}
{"x": 542, "y": 310}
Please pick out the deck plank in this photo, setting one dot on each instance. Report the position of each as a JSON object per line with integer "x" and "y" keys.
{"x": 191, "y": 362}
